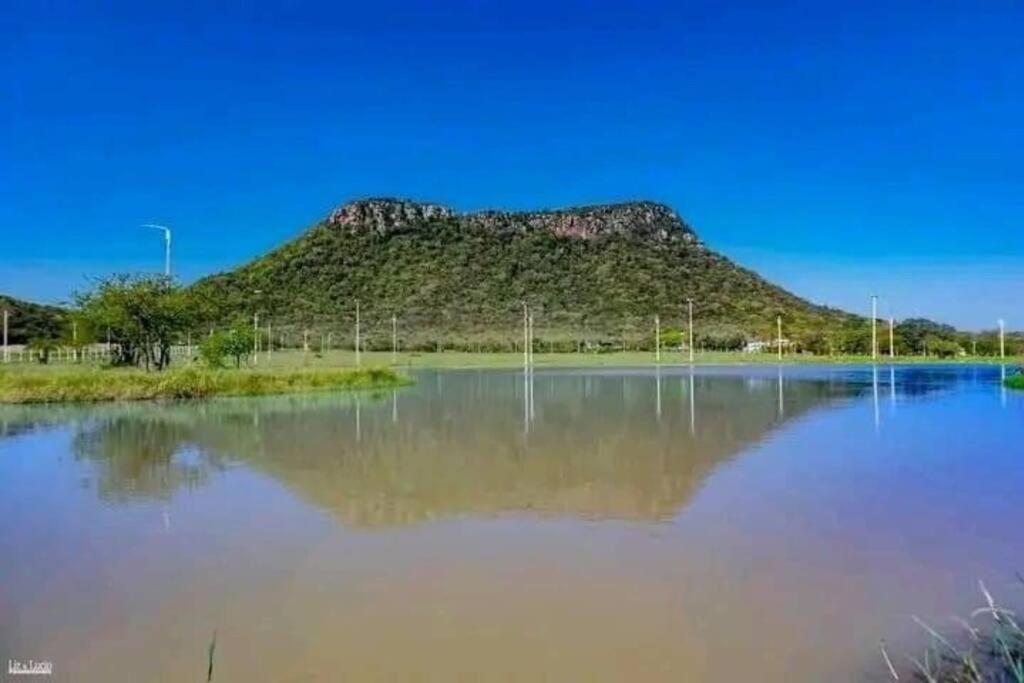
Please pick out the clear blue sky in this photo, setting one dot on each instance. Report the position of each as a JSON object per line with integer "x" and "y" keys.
{"x": 840, "y": 150}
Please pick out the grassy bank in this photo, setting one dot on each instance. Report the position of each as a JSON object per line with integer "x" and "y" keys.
{"x": 71, "y": 384}
{"x": 1015, "y": 381}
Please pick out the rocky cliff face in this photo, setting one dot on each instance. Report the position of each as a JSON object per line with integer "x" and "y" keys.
{"x": 384, "y": 215}
{"x": 647, "y": 219}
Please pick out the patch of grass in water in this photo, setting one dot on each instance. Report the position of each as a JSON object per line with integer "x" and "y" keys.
{"x": 86, "y": 385}
{"x": 1015, "y": 381}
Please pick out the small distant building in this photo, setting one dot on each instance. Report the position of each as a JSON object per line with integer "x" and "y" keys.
{"x": 758, "y": 346}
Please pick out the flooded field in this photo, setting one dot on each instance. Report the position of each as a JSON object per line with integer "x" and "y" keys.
{"x": 643, "y": 524}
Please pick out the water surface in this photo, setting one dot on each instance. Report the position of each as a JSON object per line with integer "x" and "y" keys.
{"x": 644, "y": 525}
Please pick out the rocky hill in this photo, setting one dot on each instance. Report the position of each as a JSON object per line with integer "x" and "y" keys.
{"x": 585, "y": 272}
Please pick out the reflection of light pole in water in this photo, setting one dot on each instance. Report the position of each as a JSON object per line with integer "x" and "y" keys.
{"x": 874, "y": 391}
{"x": 359, "y": 427}
{"x": 892, "y": 386}
{"x": 657, "y": 391}
{"x": 782, "y": 400}
{"x": 394, "y": 405}
{"x": 527, "y": 399}
{"x": 693, "y": 408}
{"x": 1002, "y": 385}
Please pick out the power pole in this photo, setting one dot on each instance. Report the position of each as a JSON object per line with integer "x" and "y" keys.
{"x": 778, "y": 324}
{"x": 7, "y": 353}
{"x": 394, "y": 339}
{"x": 531, "y": 338}
{"x": 892, "y": 344}
{"x": 657, "y": 339}
{"x": 526, "y": 335}
{"x": 255, "y": 338}
{"x": 270, "y": 341}
{"x": 1002, "y": 338}
{"x": 874, "y": 328}
{"x": 689, "y": 308}
{"x": 358, "y": 360}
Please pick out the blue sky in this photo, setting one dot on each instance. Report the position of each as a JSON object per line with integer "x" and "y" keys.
{"x": 838, "y": 149}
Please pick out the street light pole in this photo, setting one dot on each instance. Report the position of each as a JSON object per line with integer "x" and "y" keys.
{"x": 358, "y": 359}
{"x": 689, "y": 309}
{"x": 167, "y": 245}
{"x": 874, "y": 327}
{"x": 778, "y": 325}
{"x": 1002, "y": 338}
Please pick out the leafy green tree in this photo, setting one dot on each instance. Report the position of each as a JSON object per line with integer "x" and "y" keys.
{"x": 235, "y": 343}
{"x": 145, "y": 314}
{"x": 943, "y": 348}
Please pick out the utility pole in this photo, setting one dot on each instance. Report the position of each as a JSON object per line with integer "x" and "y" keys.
{"x": 74, "y": 340}
{"x": 657, "y": 339}
{"x": 255, "y": 338}
{"x": 531, "y": 339}
{"x": 270, "y": 341}
{"x": 778, "y": 324}
{"x": 167, "y": 245}
{"x": 689, "y": 309}
{"x": 526, "y": 335}
{"x": 394, "y": 339}
{"x": 1002, "y": 338}
{"x": 874, "y": 328}
{"x": 7, "y": 352}
{"x": 358, "y": 360}
{"x": 892, "y": 343}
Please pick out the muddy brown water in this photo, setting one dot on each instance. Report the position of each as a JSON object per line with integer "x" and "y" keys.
{"x": 569, "y": 525}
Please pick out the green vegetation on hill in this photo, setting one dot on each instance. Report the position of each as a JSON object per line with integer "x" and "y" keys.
{"x": 27, "y": 321}
{"x": 597, "y": 268}
{"x": 593, "y": 277}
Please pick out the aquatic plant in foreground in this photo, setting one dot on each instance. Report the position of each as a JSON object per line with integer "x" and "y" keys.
{"x": 990, "y": 653}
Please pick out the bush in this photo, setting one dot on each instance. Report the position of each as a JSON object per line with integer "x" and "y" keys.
{"x": 236, "y": 343}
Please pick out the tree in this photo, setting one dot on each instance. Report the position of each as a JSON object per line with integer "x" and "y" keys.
{"x": 235, "y": 343}
{"x": 145, "y": 314}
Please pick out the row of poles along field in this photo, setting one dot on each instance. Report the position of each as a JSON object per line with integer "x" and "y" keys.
{"x": 291, "y": 336}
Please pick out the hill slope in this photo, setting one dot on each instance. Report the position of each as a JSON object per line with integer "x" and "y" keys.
{"x": 27, "y": 320}
{"x": 603, "y": 269}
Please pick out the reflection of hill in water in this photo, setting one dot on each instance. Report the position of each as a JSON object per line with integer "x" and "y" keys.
{"x": 594, "y": 447}
{"x": 457, "y": 443}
